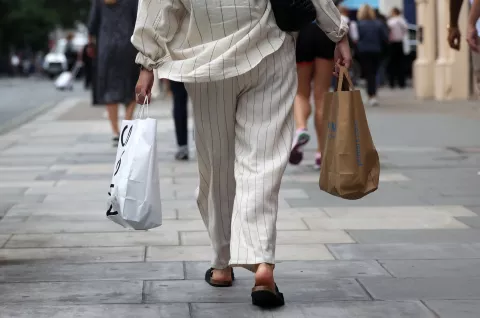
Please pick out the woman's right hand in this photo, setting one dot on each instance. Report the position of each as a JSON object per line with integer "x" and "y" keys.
{"x": 143, "y": 90}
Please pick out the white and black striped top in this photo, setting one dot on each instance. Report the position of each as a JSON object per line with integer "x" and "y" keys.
{"x": 209, "y": 40}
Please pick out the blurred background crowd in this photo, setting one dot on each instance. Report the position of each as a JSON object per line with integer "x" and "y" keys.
{"x": 46, "y": 37}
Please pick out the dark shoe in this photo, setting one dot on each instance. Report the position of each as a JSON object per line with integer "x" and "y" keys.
{"x": 217, "y": 283}
{"x": 264, "y": 297}
{"x": 181, "y": 155}
{"x": 115, "y": 141}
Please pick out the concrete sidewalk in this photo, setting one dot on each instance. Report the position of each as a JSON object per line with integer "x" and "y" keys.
{"x": 412, "y": 249}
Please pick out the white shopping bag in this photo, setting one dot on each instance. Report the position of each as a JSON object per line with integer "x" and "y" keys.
{"x": 135, "y": 188}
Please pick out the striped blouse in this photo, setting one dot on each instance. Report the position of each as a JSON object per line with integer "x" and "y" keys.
{"x": 209, "y": 40}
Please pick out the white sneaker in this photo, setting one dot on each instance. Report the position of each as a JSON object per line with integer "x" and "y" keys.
{"x": 373, "y": 102}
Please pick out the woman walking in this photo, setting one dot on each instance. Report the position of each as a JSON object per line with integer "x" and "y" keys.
{"x": 398, "y": 30}
{"x": 111, "y": 25}
{"x": 372, "y": 37}
{"x": 314, "y": 53}
{"x": 239, "y": 69}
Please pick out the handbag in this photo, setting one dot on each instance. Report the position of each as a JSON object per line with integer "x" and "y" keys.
{"x": 293, "y": 15}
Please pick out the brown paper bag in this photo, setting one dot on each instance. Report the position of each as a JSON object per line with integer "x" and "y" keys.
{"x": 350, "y": 163}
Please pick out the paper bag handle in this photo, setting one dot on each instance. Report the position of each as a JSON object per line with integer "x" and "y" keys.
{"x": 344, "y": 74}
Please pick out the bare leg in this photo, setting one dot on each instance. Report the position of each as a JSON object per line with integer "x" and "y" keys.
{"x": 112, "y": 110}
{"x": 130, "y": 110}
{"x": 302, "y": 108}
{"x": 322, "y": 81}
{"x": 302, "y": 111}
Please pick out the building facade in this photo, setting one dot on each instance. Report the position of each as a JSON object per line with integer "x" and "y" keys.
{"x": 440, "y": 73}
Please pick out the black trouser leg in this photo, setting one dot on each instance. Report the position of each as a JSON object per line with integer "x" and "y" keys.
{"x": 370, "y": 63}
{"x": 397, "y": 64}
{"x": 180, "y": 112}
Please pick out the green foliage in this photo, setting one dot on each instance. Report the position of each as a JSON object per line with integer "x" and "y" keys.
{"x": 27, "y": 23}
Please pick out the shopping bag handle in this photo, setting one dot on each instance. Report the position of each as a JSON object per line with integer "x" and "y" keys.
{"x": 344, "y": 74}
{"x": 143, "y": 109}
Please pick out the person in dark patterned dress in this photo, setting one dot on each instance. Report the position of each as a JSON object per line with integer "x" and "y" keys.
{"x": 111, "y": 25}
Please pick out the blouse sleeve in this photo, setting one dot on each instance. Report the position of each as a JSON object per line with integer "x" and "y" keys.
{"x": 157, "y": 23}
{"x": 94, "y": 18}
{"x": 329, "y": 20}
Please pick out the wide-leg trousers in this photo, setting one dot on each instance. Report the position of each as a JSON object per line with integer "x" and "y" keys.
{"x": 243, "y": 136}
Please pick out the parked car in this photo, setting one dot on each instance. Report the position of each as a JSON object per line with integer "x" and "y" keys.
{"x": 55, "y": 61}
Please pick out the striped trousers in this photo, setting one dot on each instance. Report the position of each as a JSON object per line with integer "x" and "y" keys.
{"x": 243, "y": 136}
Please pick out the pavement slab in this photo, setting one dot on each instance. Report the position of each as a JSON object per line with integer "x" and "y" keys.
{"x": 35, "y": 272}
{"x": 97, "y": 292}
{"x": 455, "y": 308}
{"x": 95, "y": 311}
{"x": 405, "y": 251}
{"x": 344, "y": 309}
{"x": 196, "y": 291}
{"x": 426, "y": 288}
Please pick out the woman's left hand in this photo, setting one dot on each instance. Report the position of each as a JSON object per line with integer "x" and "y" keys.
{"x": 143, "y": 90}
{"x": 343, "y": 54}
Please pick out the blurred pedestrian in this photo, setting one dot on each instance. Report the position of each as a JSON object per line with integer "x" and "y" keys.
{"x": 385, "y": 56}
{"x": 473, "y": 29}
{"x": 372, "y": 38}
{"x": 88, "y": 54}
{"x": 398, "y": 30}
{"x": 472, "y": 32}
{"x": 180, "y": 116}
{"x": 238, "y": 68}
{"x": 315, "y": 62}
{"x": 71, "y": 53}
{"x": 15, "y": 64}
{"x": 111, "y": 25}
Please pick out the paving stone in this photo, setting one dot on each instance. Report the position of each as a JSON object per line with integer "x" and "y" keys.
{"x": 72, "y": 255}
{"x": 197, "y": 291}
{"x": 205, "y": 253}
{"x": 26, "y": 184}
{"x": 49, "y": 226}
{"x": 72, "y": 292}
{"x": 4, "y": 208}
{"x": 302, "y": 270}
{"x": 404, "y": 251}
{"x": 293, "y": 194}
{"x": 12, "y": 191}
{"x": 4, "y": 239}
{"x": 19, "y": 161}
{"x": 473, "y": 222}
{"x": 425, "y": 288}
{"x": 416, "y": 236}
{"x": 455, "y": 308}
{"x": 283, "y": 237}
{"x": 343, "y": 309}
{"x": 394, "y": 223}
{"x": 91, "y": 272}
{"x": 95, "y": 311}
{"x": 397, "y": 211}
{"x": 130, "y": 238}
{"x": 457, "y": 200}
{"x": 27, "y": 198}
{"x": 433, "y": 268}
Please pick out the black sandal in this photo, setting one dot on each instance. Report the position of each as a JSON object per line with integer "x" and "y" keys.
{"x": 217, "y": 283}
{"x": 265, "y": 297}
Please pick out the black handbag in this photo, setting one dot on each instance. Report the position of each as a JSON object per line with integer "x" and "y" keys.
{"x": 293, "y": 15}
